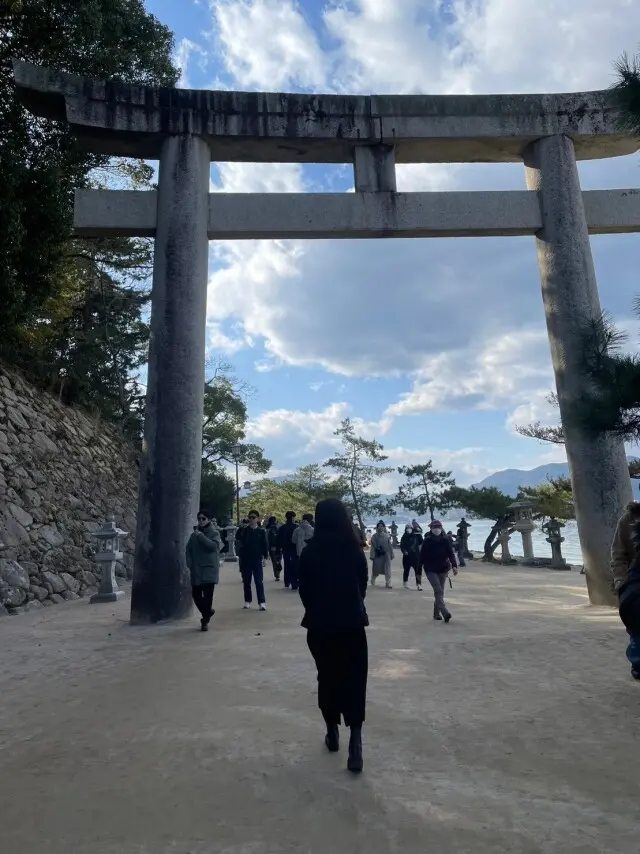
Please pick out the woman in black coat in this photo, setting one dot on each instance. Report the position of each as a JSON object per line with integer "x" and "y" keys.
{"x": 333, "y": 585}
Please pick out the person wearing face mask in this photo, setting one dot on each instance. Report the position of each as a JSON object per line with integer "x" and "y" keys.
{"x": 437, "y": 558}
{"x": 410, "y": 548}
{"x": 203, "y": 560}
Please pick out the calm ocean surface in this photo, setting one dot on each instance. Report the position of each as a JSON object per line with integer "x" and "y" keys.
{"x": 479, "y": 531}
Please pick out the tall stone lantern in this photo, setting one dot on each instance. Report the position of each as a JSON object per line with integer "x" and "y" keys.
{"x": 523, "y": 523}
{"x": 108, "y": 554}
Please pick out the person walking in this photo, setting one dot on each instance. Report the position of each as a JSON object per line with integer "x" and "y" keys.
{"x": 274, "y": 551}
{"x": 287, "y": 547}
{"x": 381, "y": 554}
{"x": 437, "y": 558}
{"x": 301, "y": 536}
{"x": 410, "y": 545}
{"x": 625, "y": 568}
{"x": 203, "y": 560}
{"x": 253, "y": 549}
{"x": 333, "y": 587}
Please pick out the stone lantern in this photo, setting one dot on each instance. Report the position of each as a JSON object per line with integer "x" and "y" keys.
{"x": 231, "y": 556}
{"x": 552, "y": 529}
{"x": 108, "y": 554}
{"x": 523, "y": 523}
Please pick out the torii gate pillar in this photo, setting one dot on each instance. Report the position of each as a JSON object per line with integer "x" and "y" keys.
{"x": 171, "y": 461}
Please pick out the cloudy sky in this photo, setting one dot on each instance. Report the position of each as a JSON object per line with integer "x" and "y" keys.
{"x": 435, "y": 347}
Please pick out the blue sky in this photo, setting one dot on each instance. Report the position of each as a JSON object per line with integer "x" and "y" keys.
{"x": 435, "y": 347}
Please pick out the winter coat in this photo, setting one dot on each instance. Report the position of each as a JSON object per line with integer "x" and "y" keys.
{"x": 410, "y": 543}
{"x": 333, "y": 586}
{"x": 285, "y": 534}
{"x": 301, "y": 536}
{"x": 625, "y": 567}
{"x": 252, "y": 543}
{"x": 381, "y": 554}
{"x": 203, "y": 555}
{"x": 436, "y": 554}
{"x": 626, "y": 543}
{"x": 272, "y": 536}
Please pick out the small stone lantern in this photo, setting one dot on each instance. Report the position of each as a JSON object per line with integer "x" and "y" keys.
{"x": 552, "y": 529}
{"x": 107, "y": 555}
{"x": 231, "y": 556}
{"x": 523, "y": 514}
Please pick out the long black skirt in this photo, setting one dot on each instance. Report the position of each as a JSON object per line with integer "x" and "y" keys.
{"x": 342, "y": 659}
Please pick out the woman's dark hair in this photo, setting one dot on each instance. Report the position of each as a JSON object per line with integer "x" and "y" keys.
{"x": 271, "y": 520}
{"x": 333, "y": 524}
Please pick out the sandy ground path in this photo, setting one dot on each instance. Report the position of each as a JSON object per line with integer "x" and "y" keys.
{"x": 513, "y": 729}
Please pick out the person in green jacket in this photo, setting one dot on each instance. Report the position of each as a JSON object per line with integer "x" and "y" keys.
{"x": 203, "y": 560}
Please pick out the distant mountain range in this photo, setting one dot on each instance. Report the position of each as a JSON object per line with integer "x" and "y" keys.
{"x": 509, "y": 480}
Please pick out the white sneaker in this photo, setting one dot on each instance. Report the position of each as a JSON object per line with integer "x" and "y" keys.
{"x": 246, "y": 606}
{"x": 405, "y": 585}
{"x": 420, "y": 587}
{"x": 263, "y": 606}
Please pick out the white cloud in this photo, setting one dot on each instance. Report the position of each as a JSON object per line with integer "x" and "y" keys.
{"x": 312, "y": 430}
{"x": 268, "y": 44}
{"x": 507, "y": 370}
{"x": 448, "y": 312}
{"x": 182, "y": 57}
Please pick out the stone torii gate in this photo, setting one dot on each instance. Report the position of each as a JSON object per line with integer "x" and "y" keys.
{"x": 187, "y": 129}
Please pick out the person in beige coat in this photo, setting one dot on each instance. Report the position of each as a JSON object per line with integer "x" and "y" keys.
{"x": 381, "y": 554}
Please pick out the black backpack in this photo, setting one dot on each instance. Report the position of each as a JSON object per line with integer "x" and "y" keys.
{"x": 629, "y": 602}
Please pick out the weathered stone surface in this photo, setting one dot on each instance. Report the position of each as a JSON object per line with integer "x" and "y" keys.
{"x": 69, "y": 596}
{"x": 44, "y": 445}
{"x": 20, "y": 515}
{"x": 12, "y": 597}
{"x": 30, "y": 566}
{"x": 16, "y": 418}
{"x": 51, "y": 535}
{"x": 11, "y": 532}
{"x": 54, "y": 581}
{"x": 61, "y": 476}
{"x": 13, "y": 575}
{"x": 70, "y": 582}
{"x": 40, "y": 593}
{"x": 87, "y": 577}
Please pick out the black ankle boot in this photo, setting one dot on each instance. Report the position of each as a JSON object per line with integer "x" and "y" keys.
{"x": 332, "y": 738}
{"x": 355, "y": 762}
{"x": 436, "y": 614}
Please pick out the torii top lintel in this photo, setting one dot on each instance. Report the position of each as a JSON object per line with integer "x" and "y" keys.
{"x": 132, "y": 121}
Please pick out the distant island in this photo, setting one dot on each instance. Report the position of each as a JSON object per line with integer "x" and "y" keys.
{"x": 509, "y": 480}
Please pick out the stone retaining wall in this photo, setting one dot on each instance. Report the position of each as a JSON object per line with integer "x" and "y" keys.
{"x": 62, "y": 474}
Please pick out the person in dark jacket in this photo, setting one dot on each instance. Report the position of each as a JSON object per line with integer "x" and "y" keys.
{"x": 203, "y": 560}
{"x": 287, "y": 547}
{"x": 333, "y": 585}
{"x": 410, "y": 545}
{"x": 437, "y": 558}
{"x": 274, "y": 551}
{"x": 253, "y": 549}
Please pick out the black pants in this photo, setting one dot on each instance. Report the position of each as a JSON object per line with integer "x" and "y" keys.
{"x": 203, "y": 597}
{"x": 251, "y": 569}
{"x": 411, "y": 562}
{"x": 276, "y": 562}
{"x": 291, "y": 569}
{"x": 342, "y": 659}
